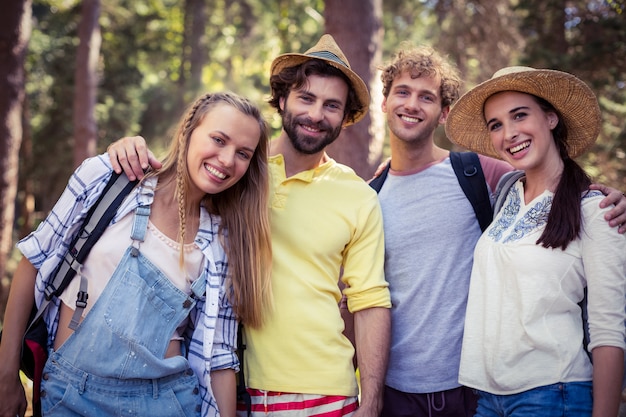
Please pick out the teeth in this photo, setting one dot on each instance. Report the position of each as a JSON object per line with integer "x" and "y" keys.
{"x": 519, "y": 147}
{"x": 409, "y": 119}
{"x": 310, "y": 129}
{"x": 215, "y": 172}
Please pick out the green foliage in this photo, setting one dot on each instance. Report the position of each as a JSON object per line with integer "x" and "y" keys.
{"x": 412, "y": 23}
{"x": 143, "y": 55}
{"x": 144, "y": 67}
{"x": 50, "y": 84}
{"x": 584, "y": 37}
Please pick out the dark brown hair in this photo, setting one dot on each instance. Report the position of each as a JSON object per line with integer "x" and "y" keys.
{"x": 564, "y": 222}
{"x": 293, "y": 78}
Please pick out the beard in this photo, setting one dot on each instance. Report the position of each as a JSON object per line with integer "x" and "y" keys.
{"x": 304, "y": 143}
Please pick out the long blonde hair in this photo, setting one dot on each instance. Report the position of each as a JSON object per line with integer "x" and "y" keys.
{"x": 243, "y": 208}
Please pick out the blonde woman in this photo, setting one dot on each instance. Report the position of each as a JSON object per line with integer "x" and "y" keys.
{"x": 187, "y": 254}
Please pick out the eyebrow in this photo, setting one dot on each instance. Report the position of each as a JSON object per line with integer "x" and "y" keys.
{"x": 307, "y": 93}
{"x": 228, "y": 138}
{"x": 408, "y": 87}
{"x": 405, "y": 86}
{"x": 512, "y": 111}
{"x": 245, "y": 148}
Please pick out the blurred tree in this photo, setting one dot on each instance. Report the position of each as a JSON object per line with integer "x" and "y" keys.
{"x": 584, "y": 37}
{"x": 86, "y": 81}
{"x": 15, "y": 30}
{"x": 357, "y": 27}
{"x": 50, "y": 83}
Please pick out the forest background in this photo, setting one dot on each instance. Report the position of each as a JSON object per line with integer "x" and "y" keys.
{"x": 77, "y": 75}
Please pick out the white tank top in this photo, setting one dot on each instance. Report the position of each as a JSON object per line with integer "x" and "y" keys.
{"x": 106, "y": 254}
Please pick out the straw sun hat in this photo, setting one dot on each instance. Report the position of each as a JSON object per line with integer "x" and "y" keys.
{"x": 572, "y": 98}
{"x": 328, "y": 51}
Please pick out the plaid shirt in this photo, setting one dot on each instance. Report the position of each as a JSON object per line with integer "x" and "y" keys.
{"x": 211, "y": 338}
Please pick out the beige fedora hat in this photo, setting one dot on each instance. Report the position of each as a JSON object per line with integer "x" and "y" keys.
{"x": 572, "y": 98}
{"x": 328, "y": 51}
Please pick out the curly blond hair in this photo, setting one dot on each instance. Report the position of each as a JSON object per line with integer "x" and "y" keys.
{"x": 423, "y": 61}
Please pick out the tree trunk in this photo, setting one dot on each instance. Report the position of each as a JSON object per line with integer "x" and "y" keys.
{"x": 86, "y": 82}
{"x": 198, "y": 53}
{"x": 25, "y": 201}
{"x": 357, "y": 27}
{"x": 15, "y": 29}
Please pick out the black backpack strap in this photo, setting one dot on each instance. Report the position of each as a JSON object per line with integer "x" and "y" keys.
{"x": 470, "y": 175}
{"x": 377, "y": 183}
{"x": 98, "y": 218}
{"x": 503, "y": 187}
{"x": 243, "y": 396}
{"x": 96, "y": 221}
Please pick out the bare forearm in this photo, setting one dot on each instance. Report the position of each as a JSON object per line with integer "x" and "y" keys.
{"x": 224, "y": 386}
{"x": 19, "y": 305}
{"x": 372, "y": 329}
{"x": 608, "y": 368}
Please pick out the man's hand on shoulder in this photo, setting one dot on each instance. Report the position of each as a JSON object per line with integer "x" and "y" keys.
{"x": 131, "y": 155}
{"x": 617, "y": 215}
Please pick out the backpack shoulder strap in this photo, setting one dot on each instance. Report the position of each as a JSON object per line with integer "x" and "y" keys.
{"x": 377, "y": 183}
{"x": 502, "y": 189}
{"x": 471, "y": 178}
{"x": 96, "y": 221}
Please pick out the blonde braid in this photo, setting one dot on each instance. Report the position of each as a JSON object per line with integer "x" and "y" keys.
{"x": 181, "y": 194}
{"x": 181, "y": 173}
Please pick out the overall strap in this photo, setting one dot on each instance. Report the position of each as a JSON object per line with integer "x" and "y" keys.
{"x": 95, "y": 223}
{"x": 140, "y": 223}
{"x": 471, "y": 178}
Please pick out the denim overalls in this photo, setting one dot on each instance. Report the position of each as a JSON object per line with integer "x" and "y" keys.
{"x": 113, "y": 364}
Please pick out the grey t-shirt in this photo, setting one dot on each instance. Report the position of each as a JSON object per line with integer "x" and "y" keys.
{"x": 430, "y": 234}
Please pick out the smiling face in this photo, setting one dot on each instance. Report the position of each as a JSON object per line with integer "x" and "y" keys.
{"x": 521, "y": 131}
{"x": 314, "y": 114}
{"x": 413, "y": 108}
{"x": 220, "y": 149}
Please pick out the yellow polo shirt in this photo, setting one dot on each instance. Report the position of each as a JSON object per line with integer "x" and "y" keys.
{"x": 322, "y": 220}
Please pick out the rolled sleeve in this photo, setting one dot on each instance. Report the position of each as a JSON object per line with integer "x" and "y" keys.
{"x": 363, "y": 272}
{"x": 224, "y": 354}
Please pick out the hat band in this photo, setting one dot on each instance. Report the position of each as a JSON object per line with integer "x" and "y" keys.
{"x": 329, "y": 56}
